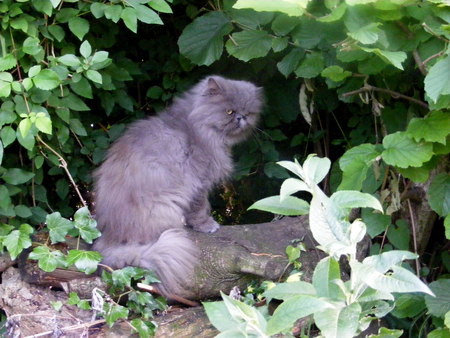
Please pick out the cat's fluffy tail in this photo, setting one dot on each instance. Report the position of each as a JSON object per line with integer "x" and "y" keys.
{"x": 172, "y": 257}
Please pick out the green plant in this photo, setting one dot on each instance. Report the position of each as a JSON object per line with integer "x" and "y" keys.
{"x": 339, "y": 308}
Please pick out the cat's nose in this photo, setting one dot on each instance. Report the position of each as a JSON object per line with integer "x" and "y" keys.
{"x": 240, "y": 117}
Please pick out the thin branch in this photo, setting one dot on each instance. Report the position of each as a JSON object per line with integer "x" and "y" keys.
{"x": 70, "y": 328}
{"x": 66, "y": 169}
{"x": 368, "y": 88}
{"x": 179, "y": 299}
{"x": 419, "y": 63}
{"x": 434, "y": 56}
{"x": 413, "y": 225}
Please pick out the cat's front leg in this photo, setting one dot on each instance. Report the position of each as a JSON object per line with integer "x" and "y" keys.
{"x": 199, "y": 216}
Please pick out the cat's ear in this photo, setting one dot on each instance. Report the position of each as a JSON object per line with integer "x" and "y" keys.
{"x": 212, "y": 87}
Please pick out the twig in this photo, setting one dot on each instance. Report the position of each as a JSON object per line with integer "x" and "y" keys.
{"x": 368, "y": 88}
{"x": 413, "y": 225}
{"x": 66, "y": 169}
{"x": 419, "y": 62}
{"x": 179, "y": 299}
{"x": 434, "y": 56}
{"x": 70, "y": 328}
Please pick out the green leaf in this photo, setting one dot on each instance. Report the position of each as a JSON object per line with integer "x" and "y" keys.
{"x": 123, "y": 277}
{"x": 160, "y": 6}
{"x": 1, "y": 152}
{"x": 75, "y": 103}
{"x": 376, "y": 222}
{"x": 290, "y": 206}
{"x": 290, "y": 7}
{"x": 85, "y": 261}
{"x": 147, "y": 15}
{"x": 202, "y": 40}
{"x": 367, "y": 34}
{"x": 57, "y": 31}
{"x": 94, "y": 76}
{"x": 25, "y": 126}
{"x": 17, "y": 240}
{"x": 27, "y": 142}
{"x": 82, "y": 88}
{"x": 31, "y": 46}
{"x": 22, "y": 211}
{"x": 447, "y": 228}
{"x": 48, "y": 260}
{"x": 439, "y": 194}
{"x": 116, "y": 312}
{"x": 5, "y": 199}
{"x": 284, "y": 291}
{"x": 249, "y": 44}
{"x": 349, "y": 199}
{"x": 326, "y": 271}
{"x": 85, "y": 49}
{"x": 311, "y": 66}
{"x": 335, "y": 73}
{"x": 79, "y": 27}
{"x": 7, "y": 62}
{"x": 290, "y": 61}
{"x": 129, "y": 17}
{"x": 403, "y": 151}
{"x": 57, "y": 305}
{"x": 218, "y": 315}
{"x": 70, "y": 60}
{"x": 47, "y": 79}
{"x": 98, "y": 9}
{"x": 58, "y": 227}
{"x": 99, "y": 57}
{"x": 140, "y": 326}
{"x": 86, "y": 225}
{"x": 437, "y": 81}
{"x": 113, "y": 12}
{"x": 433, "y": 128}
{"x": 394, "y": 58}
{"x": 339, "y": 321}
{"x": 291, "y": 186}
{"x": 399, "y": 234}
{"x": 44, "y": 124}
{"x": 17, "y": 176}
{"x": 292, "y": 309}
{"x": 438, "y": 306}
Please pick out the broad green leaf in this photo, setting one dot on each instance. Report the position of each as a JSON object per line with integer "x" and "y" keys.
{"x": 82, "y": 88}
{"x": 31, "y": 46}
{"x": 77, "y": 127}
{"x": 58, "y": 227}
{"x": 385, "y": 261}
{"x": 123, "y": 277}
{"x": 141, "y": 327}
{"x": 202, "y": 40}
{"x": 70, "y": 60}
{"x": 290, "y": 61}
{"x": 47, "y": 79}
{"x": 335, "y": 15}
{"x": 291, "y": 186}
{"x": 85, "y": 49}
{"x": 85, "y": 261}
{"x": 57, "y": 305}
{"x": 399, "y": 235}
{"x": 339, "y": 322}
{"x": 218, "y": 315}
{"x": 74, "y": 299}
{"x": 367, "y": 34}
{"x": 285, "y": 291}
{"x": 290, "y": 206}
{"x": 147, "y": 15}
{"x": 48, "y": 260}
{"x": 376, "y": 223}
{"x": 86, "y": 225}
{"x": 437, "y": 81}
{"x": 113, "y": 12}
{"x": 311, "y": 66}
{"x": 290, "y": 7}
{"x": 447, "y": 227}
{"x": 44, "y": 124}
{"x": 349, "y": 199}
{"x": 79, "y": 27}
{"x": 316, "y": 169}
{"x": 293, "y": 167}
{"x": 5, "y": 199}
{"x": 99, "y": 57}
{"x": 57, "y": 31}
{"x": 279, "y": 44}
{"x": 249, "y": 44}
{"x": 129, "y": 17}
{"x": 75, "y": 103}
{"x": 433, "y": 128}
{"x": 409, "y": 305}
{"x": 438, "y": 306}
{"x": 33, "y": 71}
{"x": 1, "y": 152}
{"x": 160, "y": 6}
{"x": 7, "y": 62}
{"x": 439, "y": 194}
{"x": 17, "y": 176}
{"x": 22, "y": 211}
{"x": 27, "y": 142}
{"x": 116, "y": 312}
{"x": 336, "y": 73}
{"x": 394, "y": 58}
{"x": 292, "y": 309}
{"x": 17, "y": 240}
{"x": 25, "y": 126}
{"x": 94, "y": 76}
{"x": 98, "y": 9}
{"x": 402, "y": 151}
{"x": 325, "y": 272}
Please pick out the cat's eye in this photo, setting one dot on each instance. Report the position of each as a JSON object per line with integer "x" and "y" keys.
{"x": 230, "y": 112}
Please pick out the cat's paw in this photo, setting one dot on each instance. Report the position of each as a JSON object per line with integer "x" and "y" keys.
{"x": 209, "y": 226}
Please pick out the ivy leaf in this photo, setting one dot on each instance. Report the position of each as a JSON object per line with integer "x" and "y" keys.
{"x": 17, "y": 240}
{"x": 249, "y": 44}
{"x": 202, "y": 40}
{"x": 86, "y": 225}
{"x": 58, "y": 227}
{"x": 437, "y": 81}
{"x": 439, "y": 194}
{"x": 433, "y": 128}
{"x": 290, "y": 206}
{"x": 141, "y": 326}
{"x": 85, "y": 261}
{"x": 79, "y": 27}
{"x": 116, "y": 312}
{"x": 402, "y": 151}
{"x": 47, "y": 79}
{"x": 16, "y": 176}
{"x": 48, "y": 260}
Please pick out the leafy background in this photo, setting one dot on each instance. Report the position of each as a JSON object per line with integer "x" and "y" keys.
{"x": 372, "y": 77}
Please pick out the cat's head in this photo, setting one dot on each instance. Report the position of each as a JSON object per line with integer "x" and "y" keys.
{"x": 229, "y": 108}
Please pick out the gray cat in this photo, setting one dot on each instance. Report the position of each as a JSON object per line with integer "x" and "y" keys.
{"x": 157, "y": 176}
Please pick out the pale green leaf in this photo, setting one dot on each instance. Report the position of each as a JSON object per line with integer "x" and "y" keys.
{"x": 340, "y": 321}
{"x": 147, "y": 15}
{"x": 94, "y": 76}
{"x": 437, "y": 81}
{"x": 85, "y": 261}
{"x": 290, "y": 206}
{"x": 249, "y": 44}
{"x": 349, "y": 199}
{"x": 16, "y": 176}
{"x": 58, "y": 227}
{"x": 85, "y": 49}
{"x": 129, "y": 17}
{"x": 69, "y": 60}
{"x": 291, "y": 186}
{"x": 439, "y": 194}
{"x": 290, "y": 7}
{"x": 44, "y": 124}
{"x": 160, "y": 6}
{"x": 47, "y": 79}
{"x": 402, "y": 151}
{"x": 438, "y": 306}
{"x": 48, "y": 260}
{"x": 335, "y": 73}
{"x": 325, "y": 272}
{"x": 394, "y": 58}
{"x": 287, "y": 290}
{"x": 367, "y": 34}
{"x": 79, "y": 27}
{"x": 433, "y": 128}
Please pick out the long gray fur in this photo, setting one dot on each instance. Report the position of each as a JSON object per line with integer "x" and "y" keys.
{"x": 157, "y": 176}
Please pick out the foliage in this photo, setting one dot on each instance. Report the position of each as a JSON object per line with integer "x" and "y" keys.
{"x": 339, "y": 308}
